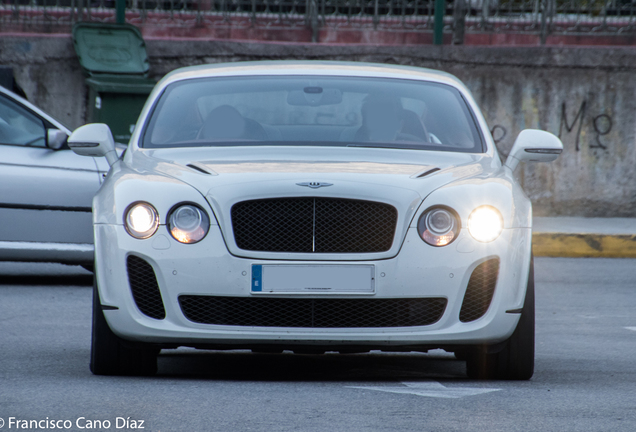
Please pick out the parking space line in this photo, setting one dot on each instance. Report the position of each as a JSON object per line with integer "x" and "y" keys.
{"x": 429, "y": 389}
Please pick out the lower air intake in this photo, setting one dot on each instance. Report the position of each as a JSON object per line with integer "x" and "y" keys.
{"x": 312, "y": 313}
{"x": 144, "y": 287}
{"x": 481, "y": 288}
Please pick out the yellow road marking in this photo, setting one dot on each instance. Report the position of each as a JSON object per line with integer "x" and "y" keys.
{"x": 584, "y": 245}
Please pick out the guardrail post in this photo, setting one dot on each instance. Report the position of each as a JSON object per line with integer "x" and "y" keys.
{"x": 438, "y": 35}
{"x": 120, "y": 14}
{"x": 376, "y": 14}
{"x": 80, "y": 9}
{"x": 459, "y": 22}
{"x": 606, "y": 5}
{"x": 313, "y": 20}
{"x": 548, "y": 8}
{"x": 544, "y": 26}
{"x": 485, "y": 13}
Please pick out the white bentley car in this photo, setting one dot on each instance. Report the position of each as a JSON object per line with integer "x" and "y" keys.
{"x": 312, "y": 207}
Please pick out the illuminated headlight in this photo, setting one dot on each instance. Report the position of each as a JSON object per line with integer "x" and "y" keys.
{"x": 188, "y": 223}
{"x": 485, "y": 224}
{"x": 141, "y": 220}
{"x": 438, "y": 226}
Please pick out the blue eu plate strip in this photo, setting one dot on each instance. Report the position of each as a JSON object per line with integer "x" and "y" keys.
{"x": 257, "y": 278}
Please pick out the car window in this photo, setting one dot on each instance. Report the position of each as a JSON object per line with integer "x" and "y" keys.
{"x": 18, "y": 126}
{"x": 302, "y": 110}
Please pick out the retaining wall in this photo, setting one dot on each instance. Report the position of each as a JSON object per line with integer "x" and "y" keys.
{"x": 587, "y": 95}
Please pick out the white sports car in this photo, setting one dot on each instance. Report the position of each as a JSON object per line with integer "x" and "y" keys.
{"x": 312, "y": 207}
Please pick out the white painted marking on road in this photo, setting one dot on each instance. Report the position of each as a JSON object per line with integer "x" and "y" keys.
{"x": 631, "y": 328}
{"x": 429, "y": 389}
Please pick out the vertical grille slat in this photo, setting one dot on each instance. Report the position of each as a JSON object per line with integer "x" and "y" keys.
{"x": 480, "y": 290}
{"x": 314, "y": 225}
{"x": 144, "y": 287}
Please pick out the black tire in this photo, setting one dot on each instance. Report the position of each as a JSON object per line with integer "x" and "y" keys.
{"x": 516, "y": 360}
{"x": 112, "y": 355}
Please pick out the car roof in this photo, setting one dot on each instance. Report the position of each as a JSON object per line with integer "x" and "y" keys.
{"x": 312, "y": 67}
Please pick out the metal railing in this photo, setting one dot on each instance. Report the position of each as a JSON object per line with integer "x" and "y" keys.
{"x": 552, "y": 16}
{"x": 537, "y": 17}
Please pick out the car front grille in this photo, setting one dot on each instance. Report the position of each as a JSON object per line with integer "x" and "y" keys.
{"x": 144, "y": 287}
{"x": 481, "y": 288}
{"x": 312, "y": 313}
{"x": 314, "y": 225}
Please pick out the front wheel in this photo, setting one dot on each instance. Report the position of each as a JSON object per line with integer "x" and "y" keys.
{"x": 516, "y": 360}
{"x": 112, "y": 355}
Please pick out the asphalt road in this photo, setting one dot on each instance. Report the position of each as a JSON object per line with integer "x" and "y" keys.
{"x": 584, "y": 380}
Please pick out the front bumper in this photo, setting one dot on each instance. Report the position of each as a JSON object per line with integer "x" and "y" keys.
{"x": 207, "y": 268}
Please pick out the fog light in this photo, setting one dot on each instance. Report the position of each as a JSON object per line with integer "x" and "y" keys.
{"x": 485, "y": 224}
{"x": 141, "y": 220}
{"x": 188, "y": 223}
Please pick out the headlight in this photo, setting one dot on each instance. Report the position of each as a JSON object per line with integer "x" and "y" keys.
{"x": 188, "y": 223}
{"x": 141, "y": 220}
{"x": 438, "y": 226}
{"x": 485, "y": 224}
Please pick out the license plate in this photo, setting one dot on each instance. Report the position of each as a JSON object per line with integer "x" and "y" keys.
{"x": 313, "y": 279}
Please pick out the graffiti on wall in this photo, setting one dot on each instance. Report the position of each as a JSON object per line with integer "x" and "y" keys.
{"x": 498, "y": 133}
{"x": 601, "y": 125}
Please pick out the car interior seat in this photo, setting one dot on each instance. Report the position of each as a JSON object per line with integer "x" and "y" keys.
{"x": 225, "y": 122}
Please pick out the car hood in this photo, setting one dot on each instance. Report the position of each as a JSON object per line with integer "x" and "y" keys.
{"x": 210, "y": 170}
{"x": 228, "y": 175}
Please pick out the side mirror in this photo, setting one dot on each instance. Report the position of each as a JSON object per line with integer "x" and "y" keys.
{"x": 55, "y": 139}
{"x": 94, "y": 140}
{"x": 534, "y": 145}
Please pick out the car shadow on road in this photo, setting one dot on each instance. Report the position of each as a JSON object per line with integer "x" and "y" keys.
{"x": 244, "y": 365}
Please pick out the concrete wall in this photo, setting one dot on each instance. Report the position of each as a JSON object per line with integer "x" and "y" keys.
{"x": 585, "y": 95}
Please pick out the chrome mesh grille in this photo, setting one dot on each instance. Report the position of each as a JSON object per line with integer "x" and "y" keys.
{"x": 481, "y": 288}
{"x": 144, "y": 287}
{"x": 312, "y": 313}
{"x": 314, "y": 225}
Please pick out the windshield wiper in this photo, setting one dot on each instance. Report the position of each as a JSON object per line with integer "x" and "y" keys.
{"x": 390, "y": 145}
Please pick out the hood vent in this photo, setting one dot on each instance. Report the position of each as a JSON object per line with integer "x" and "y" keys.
{"x": 428, "y": 172}
{"x": 200, "y": 168}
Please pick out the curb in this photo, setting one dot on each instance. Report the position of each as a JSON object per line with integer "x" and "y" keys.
{"x": 584, "y": 245}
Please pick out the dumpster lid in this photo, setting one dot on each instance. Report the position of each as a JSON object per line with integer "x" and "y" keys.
{"x": 126, "y": 84}
{"x": 110, "y": 48}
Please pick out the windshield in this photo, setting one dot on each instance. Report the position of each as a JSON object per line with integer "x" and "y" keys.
{"x": 312, "y": 110}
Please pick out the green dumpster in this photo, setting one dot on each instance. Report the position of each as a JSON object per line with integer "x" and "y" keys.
{"x": 114, "y": 60}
